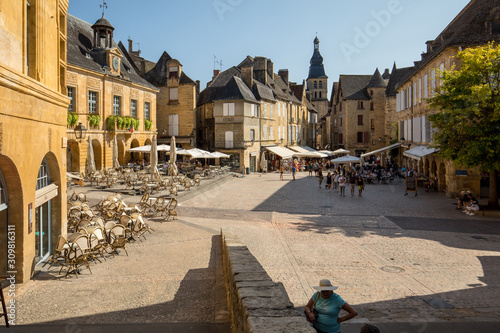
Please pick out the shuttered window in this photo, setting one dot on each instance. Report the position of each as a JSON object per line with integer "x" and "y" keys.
{"x": 173, "y": 94}
{"x": 228, "y": 109}
{"x": 426, "y": 86}
{"x": 264, "y": 131}
{"x": 173, "y": 124}
{"x": 229, "y": 143}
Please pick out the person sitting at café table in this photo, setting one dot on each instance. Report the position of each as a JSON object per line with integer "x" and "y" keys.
{"x": 463, "y": 200}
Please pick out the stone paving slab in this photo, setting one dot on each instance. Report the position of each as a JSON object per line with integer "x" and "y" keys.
{"x": 384, "y": 269}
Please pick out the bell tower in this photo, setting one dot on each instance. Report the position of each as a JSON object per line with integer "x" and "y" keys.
{"x": 317, "y": 81}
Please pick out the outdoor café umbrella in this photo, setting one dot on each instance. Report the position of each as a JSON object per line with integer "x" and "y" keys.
{"x": 116, "y": 164}
{"x": 263, "y": 162}
{"x": 141, "y": 149}
{"x": 90, "y": 157}
{"x": 172, "y": 167}
{"x": 153, "y": 159}
{"x": 346, "y": 159}
{"x": 341, "y": 151}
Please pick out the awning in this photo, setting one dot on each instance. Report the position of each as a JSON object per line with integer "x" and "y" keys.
{"x": 419, "y": 152}
{"x": 327, "y": 152}
{"x": 381, "y": 149}
{"x": 304, "y": 151}
{"x": 346, "y": 159}
{"x": 281, "y": 151}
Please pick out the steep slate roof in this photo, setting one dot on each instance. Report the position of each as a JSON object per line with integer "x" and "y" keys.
{"x": 79, "y": 43}
{"x": 316, "y": 70}
{"x": 235, "y": 89}
{"x": 276, "y": 87}
{"x": 377, "y": 81}
{"x": 335, "y": 90}
{"x": 262, "y": 91}
{"x": 397, "y": 75}
{"x": 158, "y": 75}
{"x": 354, "y": 86}
{"x": 467, "y": 29}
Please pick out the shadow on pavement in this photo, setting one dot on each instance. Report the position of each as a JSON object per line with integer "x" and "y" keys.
{"x": 199, "y": 305}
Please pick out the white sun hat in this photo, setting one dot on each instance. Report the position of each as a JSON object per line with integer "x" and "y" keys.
{"x": 325, "y": 284}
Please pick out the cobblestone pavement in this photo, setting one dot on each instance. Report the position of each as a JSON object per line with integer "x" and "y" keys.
{"x": 395, "y": 258}
{"x": 399, "y": 260}
{"x": 171, "y": 282}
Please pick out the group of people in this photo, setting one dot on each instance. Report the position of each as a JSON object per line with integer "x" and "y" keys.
{"x": 324, "y": 307}
{"x": 467, "y": 203}
{"x": 339, "y": 180}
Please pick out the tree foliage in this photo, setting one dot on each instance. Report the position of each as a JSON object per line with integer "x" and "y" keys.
{"x": 468, "y": 117}
{"x": 468, "y": 124}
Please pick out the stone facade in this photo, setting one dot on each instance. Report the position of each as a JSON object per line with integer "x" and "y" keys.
{"x": 475, "y": 25}
{"x": 247, "y": 108}
{"x": 112, "y": 82}
{"x": 176, "y": 102}
{"x": 32, "y": 132}
{"x": 358, "y": 115}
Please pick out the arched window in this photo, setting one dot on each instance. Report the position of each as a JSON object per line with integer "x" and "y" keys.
{"x": 43, "y": 214}
{"x": 320, "y": 84}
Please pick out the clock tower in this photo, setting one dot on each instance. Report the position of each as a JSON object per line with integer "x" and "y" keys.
{"x": 317, "y": 82}
{"x": 103, "y": 43}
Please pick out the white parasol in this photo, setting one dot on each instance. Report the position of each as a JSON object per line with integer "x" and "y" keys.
{"x": 116, "y": 164}
{"x": 153, "y": 159}
{"x": 90, "y": 157}
{"x": 172, "y": 167}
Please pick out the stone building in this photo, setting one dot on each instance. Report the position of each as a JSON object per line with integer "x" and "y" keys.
{"x": 247, "y": 111}
{"x": 176, "y": 101}
{"x": 477, "y": 24}
{"x": 317, "y": 89}
{"x": 358, "y": 113}
{"x": 105, "y": 88}
{"x": 32, "y": 132}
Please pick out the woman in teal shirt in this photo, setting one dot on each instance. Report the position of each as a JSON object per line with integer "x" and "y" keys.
{"x": 328, "y": 305}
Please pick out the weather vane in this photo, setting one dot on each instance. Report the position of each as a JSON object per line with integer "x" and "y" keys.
{"x": 103, "y": 6}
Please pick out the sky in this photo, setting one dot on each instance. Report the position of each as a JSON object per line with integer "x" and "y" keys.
{"x": 355, "y": 37}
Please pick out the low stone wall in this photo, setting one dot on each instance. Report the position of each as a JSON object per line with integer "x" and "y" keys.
{"x": 256, "y": 304}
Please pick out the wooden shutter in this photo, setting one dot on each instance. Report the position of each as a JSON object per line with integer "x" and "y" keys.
{"x": 366, "y": 137}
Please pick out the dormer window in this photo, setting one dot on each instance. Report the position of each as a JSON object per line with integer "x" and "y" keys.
{"x": 173, "y": 72}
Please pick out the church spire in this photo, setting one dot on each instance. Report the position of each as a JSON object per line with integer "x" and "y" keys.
{"x": 316, "y": 70}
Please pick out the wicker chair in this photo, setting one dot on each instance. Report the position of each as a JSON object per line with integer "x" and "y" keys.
{"x": 78, "y": 255}
{"x": 171, "y": 212}
{"x": 118, "y": 238}
{"x": 60, "y": 254}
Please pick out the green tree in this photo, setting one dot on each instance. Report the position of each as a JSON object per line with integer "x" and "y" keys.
{"x": 468, "y": 121}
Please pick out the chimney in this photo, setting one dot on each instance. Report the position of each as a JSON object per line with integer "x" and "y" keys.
{"x": 270, "y": 68}
{"x": 216, "y": 73}
{"x": 130, "y": 45}
{"x": 260, "y": 69}
{"x": 247, "y": 75}
{"x": 197, "y": 88}
{"x": 284, "y": 75}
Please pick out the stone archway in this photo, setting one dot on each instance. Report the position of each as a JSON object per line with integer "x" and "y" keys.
{"x": 11, "y": 208}
{"x": 426, "y": 168}
{"x": 442, "y": 177}
{"x": 433, "y": 169}
{"x": 96, "y": 145}
{"x": 73, "y": 156}
{"x": 133, "y": 156}
{"x": 57, "y": 208}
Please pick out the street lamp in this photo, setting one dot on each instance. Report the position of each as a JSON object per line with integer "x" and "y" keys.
{"x": 80, "y": 131}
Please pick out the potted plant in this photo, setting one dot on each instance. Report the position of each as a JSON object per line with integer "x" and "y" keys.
{"x": 94, "y": 120}
{"x": 72, "y": 118}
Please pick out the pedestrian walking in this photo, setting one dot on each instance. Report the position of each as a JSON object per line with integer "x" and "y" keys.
{"x": 281, "y": 172}
{"x": 352, "y": 182}
{"x": 342, "y": 183}
{"x": 320, "y": 177}
{"x": 336, "y": 181}
{"x": 316, "y": 168}
{"x": 361, "y": 185}
{"x": 294, "y": 168}
{"x": 327, "y": 305}
{"x": 329, "y": 181}
{"x": 310, "y": 168}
